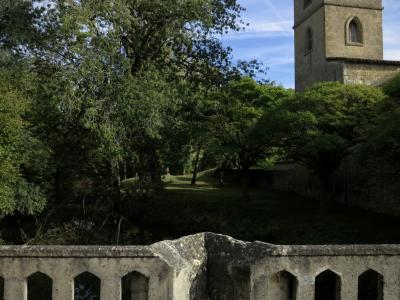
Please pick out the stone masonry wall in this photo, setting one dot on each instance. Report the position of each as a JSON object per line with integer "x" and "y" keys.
{"x": 337, "y": 16}
{"x": 369, "y": 74}
{"x": 211, "y": 266}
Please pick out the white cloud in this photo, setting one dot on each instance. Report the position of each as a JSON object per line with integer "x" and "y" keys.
{"x": 277, "y": 26}
{"x": 277, "y": 12}
{"x": 281, "y": 61}
{"x": 266, "y": 29}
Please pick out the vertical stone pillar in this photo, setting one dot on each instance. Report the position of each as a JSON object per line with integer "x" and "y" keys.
{"x": 349, "y": 287}
{"x": 155, "y": 291}
{"x": 15, "y": 288}
{"x": 110, "y": 288}
{"x": 63, "y": 288}
{"x": 259, "y": 288}
{"x": 306, "y": 288}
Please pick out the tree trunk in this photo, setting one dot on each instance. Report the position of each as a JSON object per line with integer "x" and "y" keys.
{"x": 119, "y": 229}
{"x": 155, "y": 171}
{"x": 221, "y": 174}
{"x": 196, "y": 166}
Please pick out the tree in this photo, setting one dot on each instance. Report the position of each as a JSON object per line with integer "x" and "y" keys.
{"x": 111, "y": 42}
{"x": 111, "y": 80}
{"x": 392, "y": 87}
{"x": 17, "y": 23}
{"x": 180, "y": 34}
{"x": 325, "y": 123}
{"x": 90, "y": 47}
{"x": 383, "y": 133}
{"x": 23, "y": 157}
{"x": 237, "y": 136}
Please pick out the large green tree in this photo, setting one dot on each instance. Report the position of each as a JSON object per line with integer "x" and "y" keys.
{"x": 323, "y": 125}
{"x": 134, "y": 42}
{"x": 182, "y": 35}
{"x": 237, "y": 137}
{"x": 115, "y": 83}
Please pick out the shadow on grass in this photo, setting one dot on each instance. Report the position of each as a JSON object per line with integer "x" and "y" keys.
{"x": 269, "y": 216}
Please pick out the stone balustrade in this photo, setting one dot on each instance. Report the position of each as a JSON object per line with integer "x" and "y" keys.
{"x": 202, "y": 266}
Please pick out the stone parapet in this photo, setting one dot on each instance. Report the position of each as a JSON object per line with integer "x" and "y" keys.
{"x": 208, "y": 266}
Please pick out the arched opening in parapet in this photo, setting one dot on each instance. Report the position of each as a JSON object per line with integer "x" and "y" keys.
{"x": 87, "y": 287}
{"x": 370, "y": 286}
{"x": 1, "y": 288}
{"x": 135, "y": 286}
{"x": 327, "y": 286}
{"x": 284, "y": 285}
{"x": 40, "y": 287}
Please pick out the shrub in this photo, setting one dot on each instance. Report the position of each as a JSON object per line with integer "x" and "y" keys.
{"x": 392, "y": 87}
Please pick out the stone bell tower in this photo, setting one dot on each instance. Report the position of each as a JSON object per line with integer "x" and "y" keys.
{"x": 340, "y": 40}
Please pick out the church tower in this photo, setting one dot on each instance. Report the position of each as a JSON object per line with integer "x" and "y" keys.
{"x": 332, "y": 34}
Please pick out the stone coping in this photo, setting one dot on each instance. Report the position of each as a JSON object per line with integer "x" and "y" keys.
{"x": 366, "y": 61}
{"x": 77, "y": 251}
{"x": 214, "y": 244}
{"x": 339, "y": 250}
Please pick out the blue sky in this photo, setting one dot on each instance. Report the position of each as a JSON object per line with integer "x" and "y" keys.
{"x": 269, "y": 38}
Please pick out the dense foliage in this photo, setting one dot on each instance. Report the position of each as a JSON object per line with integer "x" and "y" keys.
{"x": 238, "y": 139}
{"x": 392, "y": 87}
{"x": 106, "y": 91}
{"x": 23, "y": 158}
{"x": 333, "y": 118}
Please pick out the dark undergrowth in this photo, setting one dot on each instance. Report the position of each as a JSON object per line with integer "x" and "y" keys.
{"x": 182, "y": 209}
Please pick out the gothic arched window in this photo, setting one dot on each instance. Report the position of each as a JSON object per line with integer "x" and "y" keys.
{"x": 354, "y": 31}
{"x": 309, "y": 41}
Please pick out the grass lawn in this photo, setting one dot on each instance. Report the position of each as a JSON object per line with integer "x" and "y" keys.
{"x": 268, "y": 216}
